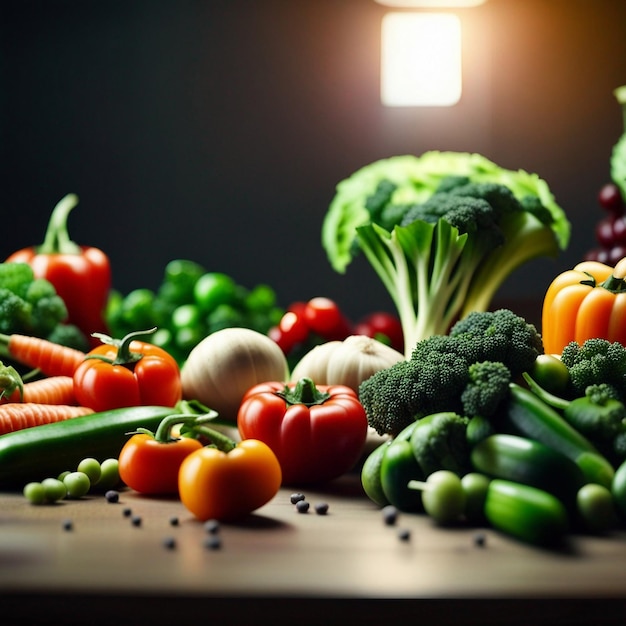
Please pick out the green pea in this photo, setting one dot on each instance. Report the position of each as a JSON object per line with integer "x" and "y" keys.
{"x": 54, "y": 489}
{"x": 62, "y": 475}
{"x": 92, "y": 468}
{"x": 109, "y": 475}
{"x": 35, "y": 493}
{"x": 77, "y": 484}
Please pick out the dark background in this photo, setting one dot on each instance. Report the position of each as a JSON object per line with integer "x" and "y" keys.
{"x": 217, "y": 130}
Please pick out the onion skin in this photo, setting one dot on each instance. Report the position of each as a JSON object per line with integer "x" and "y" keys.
{"x": 228, "y": 362}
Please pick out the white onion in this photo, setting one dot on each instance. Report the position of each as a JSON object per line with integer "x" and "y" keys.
{"x": 226, "y": 363}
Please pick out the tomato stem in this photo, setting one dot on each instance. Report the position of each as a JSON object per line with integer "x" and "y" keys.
{"x": 304, "y": 392}
{"x": 124, "y": 355}
{"x": 163, "y": 433}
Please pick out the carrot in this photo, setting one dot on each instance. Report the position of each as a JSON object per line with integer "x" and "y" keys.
{"x": 51, "y": 390}
{"x": 20, "y": 415}
{"x": 52, "y": 359}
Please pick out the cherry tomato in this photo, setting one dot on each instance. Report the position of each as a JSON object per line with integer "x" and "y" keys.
{"x": 382, "y": 326}
{"x": 325, "y": 318}
{"x": 227, "y": 486}
{"x": 150, "y": 466}
{"x": 292, "y": 329}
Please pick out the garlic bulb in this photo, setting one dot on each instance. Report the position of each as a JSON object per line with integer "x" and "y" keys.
{"x": 348, "y": 362}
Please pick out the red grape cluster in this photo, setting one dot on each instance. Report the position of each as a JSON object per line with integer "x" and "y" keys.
{"x": 610, "y": 231}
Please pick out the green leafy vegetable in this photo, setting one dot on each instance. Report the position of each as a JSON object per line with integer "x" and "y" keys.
{"x": 442, "y": 232}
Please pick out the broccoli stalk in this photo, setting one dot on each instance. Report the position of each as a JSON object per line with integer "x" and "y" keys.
{"x": 439, "y": 252}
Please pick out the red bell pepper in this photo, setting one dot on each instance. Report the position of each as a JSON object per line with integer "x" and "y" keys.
{"x": 316, "y": 432}
{"x": 127, "y": 372}
{"x": 81, "y": 275}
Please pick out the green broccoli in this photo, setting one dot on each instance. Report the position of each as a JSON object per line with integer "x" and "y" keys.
{"x": 28, "y": 305}
{"x": 453, "y": 257}
{"x": 439, "y": 441}
{"x": 69, "y": 335}
{"x": 14, "y": 312}
{"x": 466, "y": 373}
{"x": 502, "y": 336}
{"x": 487, "y": 388}
{"x": 596, "y": 361}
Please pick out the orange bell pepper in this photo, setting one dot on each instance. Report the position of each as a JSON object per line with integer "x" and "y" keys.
{"x": 583, "y": 303}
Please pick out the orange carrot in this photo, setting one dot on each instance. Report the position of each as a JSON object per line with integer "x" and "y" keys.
{"x": 50, "y": 358}
{"x": 20, "y": 415}
{"x": 51, "y": 390}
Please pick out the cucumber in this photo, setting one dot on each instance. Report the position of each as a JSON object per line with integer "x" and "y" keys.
{"x": 526, "y": 513}
{"x": 529, "y": 416}
{"x": 529, "y": 462}
{"x": 32, "y": 454}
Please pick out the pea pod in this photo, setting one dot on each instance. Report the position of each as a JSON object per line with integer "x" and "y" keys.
{"x": 529, "y": 416}
{"x": 32, "y": 453}
{"x": 526, "y": 513}
{"x": 529, "y": 462}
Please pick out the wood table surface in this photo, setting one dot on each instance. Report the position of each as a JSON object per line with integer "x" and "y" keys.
{"x": 283, "y": 566}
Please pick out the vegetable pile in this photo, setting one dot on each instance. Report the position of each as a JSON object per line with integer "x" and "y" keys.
{"x": 475, "y": 435}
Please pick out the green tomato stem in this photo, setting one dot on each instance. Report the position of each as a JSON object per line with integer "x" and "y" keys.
{"x": 304, "y": 392}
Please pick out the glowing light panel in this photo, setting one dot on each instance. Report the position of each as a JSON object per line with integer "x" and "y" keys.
{"x": 420, "y": 59}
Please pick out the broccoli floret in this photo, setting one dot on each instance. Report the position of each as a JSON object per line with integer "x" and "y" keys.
{"x": 440, "y": 252}
{"x": 596, "y": 361}
{"x": 48, "y": 308}
{"x": 396, "y": 396}
{"x": 69, "y": 335}
{"x": 487, "y": 388}
{"x": 501, "y": 336}
{"x": 16, "y": 277}
{"x": 439, "y": 441}
{"x": 14, "y": 312}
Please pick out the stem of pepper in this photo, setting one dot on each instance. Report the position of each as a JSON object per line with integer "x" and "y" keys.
{"x": 616, "y": 282}
{"x": 304, "y": 392}
{"x": 57, "y": 240}
{"x": 163, "y": 432}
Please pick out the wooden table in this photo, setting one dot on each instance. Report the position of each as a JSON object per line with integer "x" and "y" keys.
{"x": 282, "y": 566}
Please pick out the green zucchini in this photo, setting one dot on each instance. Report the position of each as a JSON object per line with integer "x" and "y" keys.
{"x": 32, "y": 454}
{"x": 529, "y": 462}
{"x": 529, "y": 416}
{"x": 526, "y": 513}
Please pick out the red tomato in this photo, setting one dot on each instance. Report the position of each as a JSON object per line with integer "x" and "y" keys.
{"x": 317, "y": 433}
{"x": 382, "y": 326}
{"x": 325, "y": 318}
{"x": 127, "y": 373}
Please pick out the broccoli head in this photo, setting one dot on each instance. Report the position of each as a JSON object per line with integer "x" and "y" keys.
{"x": 14, "y": 312}
{"x": 501, "y": 336}
{"x": 439, "y": 441}
{"x": 396, "y": 396}
{"x": 596, "y": 361}
{"x": 487, "y": 388}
